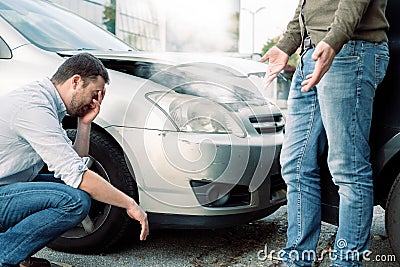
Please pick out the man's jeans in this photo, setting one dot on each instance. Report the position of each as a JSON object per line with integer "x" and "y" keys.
{"x": 34, "y": 213}
{"x": 336, "y": 112}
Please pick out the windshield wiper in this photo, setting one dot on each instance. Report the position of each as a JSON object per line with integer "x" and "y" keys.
{"x": 84, "y": 49}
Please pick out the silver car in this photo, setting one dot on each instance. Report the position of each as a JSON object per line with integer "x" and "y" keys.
{"x": 192, "y": 138}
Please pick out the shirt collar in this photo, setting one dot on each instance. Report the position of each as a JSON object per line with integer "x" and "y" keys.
{"x": 61, "y": 109}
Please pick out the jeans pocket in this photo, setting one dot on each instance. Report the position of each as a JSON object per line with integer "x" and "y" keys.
{"x": 381, "y": 64}
{"x": 346, "y": 59}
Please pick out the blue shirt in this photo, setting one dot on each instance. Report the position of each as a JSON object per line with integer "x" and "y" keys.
{"x": 31, "y": 134}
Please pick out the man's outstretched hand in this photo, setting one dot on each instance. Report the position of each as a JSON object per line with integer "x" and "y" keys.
{"x": 277, "y": 60}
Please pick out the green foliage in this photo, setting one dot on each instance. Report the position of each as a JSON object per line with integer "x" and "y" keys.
{"x": 109, "y": 15}
{"x": 293, "y": 58}
{"x": 234, "y": 32}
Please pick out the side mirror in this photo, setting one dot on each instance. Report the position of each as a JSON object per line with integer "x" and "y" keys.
{"x": 5, "y": 51}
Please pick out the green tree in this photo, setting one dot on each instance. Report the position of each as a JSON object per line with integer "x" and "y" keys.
{"x": 109, "y": 15}
{"x": 234, "y": 32}
{"x": 271, "y": 42}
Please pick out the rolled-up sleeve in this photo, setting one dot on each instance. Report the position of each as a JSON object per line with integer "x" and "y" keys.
{"x": 40, "y": 127}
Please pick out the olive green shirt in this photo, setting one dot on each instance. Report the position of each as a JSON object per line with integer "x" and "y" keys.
{"x": 336, "y": 22}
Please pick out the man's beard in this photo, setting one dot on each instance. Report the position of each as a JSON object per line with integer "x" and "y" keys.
{"x": 77, "y": 109}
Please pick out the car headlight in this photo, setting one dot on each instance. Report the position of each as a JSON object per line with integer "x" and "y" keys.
{"x": 197, "y": 114}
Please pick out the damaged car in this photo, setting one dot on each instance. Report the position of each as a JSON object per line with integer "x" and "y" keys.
{"x": 190, "y": 137}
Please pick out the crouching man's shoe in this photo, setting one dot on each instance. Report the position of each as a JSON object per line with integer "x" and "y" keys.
{"x": 38, "y": 262}
{"x": 35, "y": 262}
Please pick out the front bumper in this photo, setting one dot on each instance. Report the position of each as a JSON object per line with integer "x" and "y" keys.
{"x": 167, "y": 165}
{"x": 232, "y": 210}
{"x": 178, "y": 221}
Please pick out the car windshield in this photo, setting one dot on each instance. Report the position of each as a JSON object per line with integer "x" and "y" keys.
{"x": 55, "y": 29}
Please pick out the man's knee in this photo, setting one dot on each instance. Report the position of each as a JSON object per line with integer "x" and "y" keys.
{"x": 77, "y": 205}
{"x": 84, "y": 201}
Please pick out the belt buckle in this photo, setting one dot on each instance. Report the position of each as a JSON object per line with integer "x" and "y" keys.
{"x": 307, "y": 43}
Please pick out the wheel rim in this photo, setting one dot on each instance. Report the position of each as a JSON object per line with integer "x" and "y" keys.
{"x": 99, "y": 211}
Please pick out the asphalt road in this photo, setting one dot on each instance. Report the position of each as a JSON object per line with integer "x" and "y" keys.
{"x": 237, "y": 246}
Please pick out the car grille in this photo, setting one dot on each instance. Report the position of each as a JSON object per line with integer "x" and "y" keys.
{"x": 213, "y": 194}
{"x": 267, "y": 123}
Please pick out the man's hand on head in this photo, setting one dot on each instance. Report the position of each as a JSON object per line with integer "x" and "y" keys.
{"x": 94, "y": 110}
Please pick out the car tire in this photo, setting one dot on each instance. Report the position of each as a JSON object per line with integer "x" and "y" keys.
{"x": 110, "y": 225}
{"x": 392, "y": 217}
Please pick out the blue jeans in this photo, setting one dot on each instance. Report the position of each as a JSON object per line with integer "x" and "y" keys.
{"x": 34, "y": 213}
{"x": 336, "y": 112}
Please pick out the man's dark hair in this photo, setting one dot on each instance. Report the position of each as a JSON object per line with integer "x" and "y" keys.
{"x": 84, "y": 64}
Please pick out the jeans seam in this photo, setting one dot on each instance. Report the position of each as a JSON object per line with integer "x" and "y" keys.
{"x": 61, "y": 194}
{"x": 376, "y": 71}
{"x": 356, "y": 111}
{"x": 299, "y": 163}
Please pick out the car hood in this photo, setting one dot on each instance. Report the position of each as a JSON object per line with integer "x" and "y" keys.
{"x": 243, "y": 66}
{"x": 232, "y": 82}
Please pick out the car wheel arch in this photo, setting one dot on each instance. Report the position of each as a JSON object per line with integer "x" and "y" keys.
{"x": 71, "y": 123}
{"x": 109, "y": 158}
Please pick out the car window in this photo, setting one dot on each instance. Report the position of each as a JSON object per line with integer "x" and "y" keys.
{"x": 55, "y": 29}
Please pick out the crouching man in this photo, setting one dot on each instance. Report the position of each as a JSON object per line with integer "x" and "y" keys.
{"x": 34, "y": 212}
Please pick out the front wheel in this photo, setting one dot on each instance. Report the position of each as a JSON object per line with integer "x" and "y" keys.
{"x": 105, "y": 225}
{"x": 392, "y": 217}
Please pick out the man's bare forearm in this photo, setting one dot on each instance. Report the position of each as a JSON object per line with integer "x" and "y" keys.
{"x": 82, "y": 140}
{"x": 99, "y": 189}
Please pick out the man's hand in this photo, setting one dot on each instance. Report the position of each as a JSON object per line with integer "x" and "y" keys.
{"x": 94, "y": 110}
{"x": 82, "y": 140}
{"x": 138, "y": 214}
{"x": 277, "y": 60}
{"x": 323, "y": 55}
{"x": 101, "y": 190}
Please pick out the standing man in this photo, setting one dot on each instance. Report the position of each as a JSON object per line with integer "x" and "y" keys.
{"x": 344, "y": 58}
{"x": 34, "y": 212}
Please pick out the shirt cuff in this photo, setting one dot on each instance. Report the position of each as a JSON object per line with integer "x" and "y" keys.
{"x": 74, "y": 178}
{"x": 287, "y": 45}
{"x": 336, "y": 39}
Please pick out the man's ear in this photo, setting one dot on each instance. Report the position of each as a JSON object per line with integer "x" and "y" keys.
{"x": 75, "y": 80}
